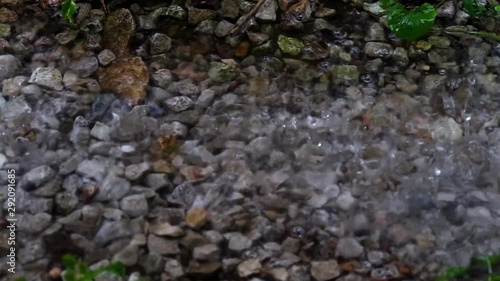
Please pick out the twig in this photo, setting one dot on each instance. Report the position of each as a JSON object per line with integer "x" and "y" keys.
{"x": 104, "y": 6}
{"x": 247, "y": 17}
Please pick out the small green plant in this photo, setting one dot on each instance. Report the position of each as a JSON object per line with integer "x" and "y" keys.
{"x": 409, "y": 24}
{"x": 68, "y": 10}
{"x": 79, "y": 271}
{"x": 473, "y": 8}
{"x": 485, "y": 262}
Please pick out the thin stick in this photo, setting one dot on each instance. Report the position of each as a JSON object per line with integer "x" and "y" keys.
{"x": 104, "y": 7}
{"x": 247, "y": 17}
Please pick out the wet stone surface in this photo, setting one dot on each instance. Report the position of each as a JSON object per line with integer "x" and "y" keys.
{"x": 311, "y": 145}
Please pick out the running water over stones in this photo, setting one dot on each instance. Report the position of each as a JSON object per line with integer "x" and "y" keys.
{"x": 311, "y": 145}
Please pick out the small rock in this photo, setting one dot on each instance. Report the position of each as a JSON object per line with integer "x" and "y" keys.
{"x": 345, "y": 201}
{"x": 8, "y": 66}
{"x": 268, "y": 11}
{"x": 196, "y": 16}
{"x": 152, "y": 263}
{"x": 34, "y": 224}
{"x": 176, "y": 11}
{"x": 92, "y": 169}
{"x": 162, "y": 246}
{"x": 157, "y": 181}
{"x": 127, "y": 77}
{"x": 345, "y": 74}
{"x": 205, "y": 99}
{"x": 85, "y": 67}
{"x": 446, "y": 129}
{"x": 111, "y": 230}
{"x": 206, "y": 27}
{"x": 128, "y": 256}
{"x": 118, "y": 30}
{"x": 206, "y": 252}
{"x": 163, "y": 228}
{"x": 159, "y": 43}
{"x": 100, "y": 131}
{"x": 136, "y": 171}
{"x": 378, "y": 50}
{"x": 196, "y": 218}
{"x": 223, "y": 28}
{"x": 174, "y": 269}
{"x": 375, "y": 32}
{"x": 106, "y": 56}
{"x": 289, "y": 45}
{"x": 187, "y": 87}
{"x": 279, "y": 274}
{"x": 47, "y": 77}
{"x": 66, "y": 202}
{"x": 36, "y": 177}
{"x": 230, "y": 9}
{"x": 113, "y": 188}
{"x": 249, "y": 267}
{"x": 162, "y": 78}
{"x": 349, "y": 248}
{"x": 6, "y": 15}
{"x": 221, "y": 72}
{"x": 325, "y": 270}
{"x": 11, "y": 87}
{"x": 179, "y": 103}
{"x": 135, "y": 205}
{"x": 446, "y": 10}
{"x": 183, "y": 195}
{"x": 5, "y": 30}
{"x": 239, "y": 242}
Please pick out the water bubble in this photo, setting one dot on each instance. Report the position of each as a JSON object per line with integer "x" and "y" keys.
{"x": 367, "y": 78}
{"x": 324, "y": 65}
{"x": 297, "y": 231}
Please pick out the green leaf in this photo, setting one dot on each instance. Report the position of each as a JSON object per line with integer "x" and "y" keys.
{"x": 386, "y": 4}
{"x": 411, "y": 24}
{"x": 21, "y": 279}
{"x": 117, "y": 268}
{"x": 68, "y": 8}
{"x": 452, "y": 273}
{"x": 473, "y": 8}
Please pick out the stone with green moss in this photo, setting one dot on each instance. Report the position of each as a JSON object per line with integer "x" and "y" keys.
{"x": 289, "y": 45}
{"x": 221, "y": 72}
{"x": 4, "y": 30}
{"x": 176, "y": 12}
{"x": 345, "y": 74}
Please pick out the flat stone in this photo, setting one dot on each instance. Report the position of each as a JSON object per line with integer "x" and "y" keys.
{"x": 162, "y": 246}
{"x": 36, "y": 177}
{"x": 249, "y": 267}
{"x": 349, "y": 248}
{"x": 135, "y": 205}
{"x": 163, "y": 228}
{"x": 206, "y": 252}
{"x": 117, "y": 31}
{"x": 112, "y": 188}
{"x": 47, "y": 77}
{"x": 127, "y": 77}
{"x": 325, "y": 270}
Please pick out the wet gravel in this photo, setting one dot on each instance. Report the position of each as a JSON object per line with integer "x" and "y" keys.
{"x": 313, "y": 146}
